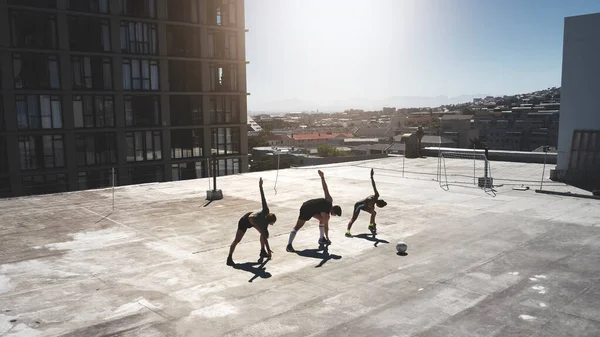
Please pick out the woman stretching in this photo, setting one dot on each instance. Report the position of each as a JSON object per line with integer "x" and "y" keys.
{"x": 367, "y": 205}
{"x": 260, "y": 221}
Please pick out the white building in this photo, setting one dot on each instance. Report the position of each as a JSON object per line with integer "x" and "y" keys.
{"x": 579, "y": 128}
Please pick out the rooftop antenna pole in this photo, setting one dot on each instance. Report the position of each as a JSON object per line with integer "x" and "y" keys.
{"x": 214, "y": 172}
{"x": 214, "y": 194}
{"x": 474, "y": 173}
{"x": 544, "y": 169}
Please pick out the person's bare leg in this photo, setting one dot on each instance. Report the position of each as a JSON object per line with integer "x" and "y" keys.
{"x": 299, "y": 225}
{"x": 238, "y": 237}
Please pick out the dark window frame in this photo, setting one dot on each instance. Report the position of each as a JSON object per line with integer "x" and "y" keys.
{"x": 187, "y": 143}
{"x": 143, "y": 83}
{"x": 186, "y": 110}
{"x": 223, "y": 45}
{"x": 32, "y": 114}
{"x": 27, "y": 67}
{"x": 224, "y": 77}
{"x": 187, "y": 11}
{"x": 181, "y": 41}
{"x": 3, "y": 155}
{"x": 81, "y": 30}
{"x": 97, "y": 111}
{"x": 127, "y": 8}
{"x": 221, "y": 145}
{"x": 40, "y": 183}
{"x": 89, "y": 6}
{"x": 228, "y": 166}
{"x": 31, "y": 158}
{"x": 34, "y": 20}
{"x": 184, "y": 76}
{"x": 138, "y": 149}
{"x": 224, "y": 109}
{"x": 95, "y": 149}
{"x": 134, "y": 107}
{"x": 101, "y": 178}
{"x": 91, "y": 72}
{"x": 138, "y": 174}
{"x": 182, "y": 171}
{"x": 139, "y": 38}
{"x": 33, "y": 3}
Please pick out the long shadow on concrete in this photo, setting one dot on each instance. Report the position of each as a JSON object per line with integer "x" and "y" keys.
{"x": 259, "y": 271}
{"x": 371, "y": 237}
{"x": 321, "y": 253}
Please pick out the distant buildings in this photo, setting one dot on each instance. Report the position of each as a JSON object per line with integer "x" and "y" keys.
{"x": 459, "y": 128}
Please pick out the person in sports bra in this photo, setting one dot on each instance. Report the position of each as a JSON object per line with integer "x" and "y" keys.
{"x": 259, "y": 220}
{"x": 367, "y": 205}
{"x": 320, "y": 209}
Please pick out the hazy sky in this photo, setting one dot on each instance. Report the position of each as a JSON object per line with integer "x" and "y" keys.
{"x": 325, "y": 50}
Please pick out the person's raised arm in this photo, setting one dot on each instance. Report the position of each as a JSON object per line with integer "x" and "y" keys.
{"x": 327, "y": 195}
{"x": 374, "y": 187}
{"x": 265, "y": 208}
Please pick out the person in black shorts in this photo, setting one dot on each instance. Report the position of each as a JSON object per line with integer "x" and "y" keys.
{"x": 367, "y": 205}
{"x": 319, "y": 209}
{"x": 260, "y": 221}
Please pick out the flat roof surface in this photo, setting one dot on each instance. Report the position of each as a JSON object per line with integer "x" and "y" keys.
{"x": 504, "y": 263}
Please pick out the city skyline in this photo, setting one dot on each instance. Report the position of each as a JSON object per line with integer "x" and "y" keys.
{"x": 377, "y": 50}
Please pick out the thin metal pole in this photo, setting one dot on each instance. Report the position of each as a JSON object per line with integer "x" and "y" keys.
{"x": 474, "y": 173}
{"x": 403, "y": 166}
{"x": 208, "y": 168}
{"x": 113, "y": 187}
{"x": 544, "y": 169}
{"x": 214, "y": 172}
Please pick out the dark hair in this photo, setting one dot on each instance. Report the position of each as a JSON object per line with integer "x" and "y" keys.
{"x": 337, "y": 210}
{"x": 381, "y": 203}
{"x": 271, "y": 218}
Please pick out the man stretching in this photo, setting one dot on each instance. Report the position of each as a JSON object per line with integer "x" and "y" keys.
{"x": 319, "y": 209}
{"x": 367, "y": 205}
{"x": 260, "y": 221}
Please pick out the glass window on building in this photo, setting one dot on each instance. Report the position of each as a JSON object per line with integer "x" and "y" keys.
{"x": 186, "y": 143}
{"x": 96, "y": 179}
{"x": 96, "y": 148}
{"x": 90, "y": 6}
{"x": 44, "y": 184}
{"x": 92, "y": 72}
{"x": 225, "y": 141}
{"x": 138, "y": 8}
{"x": 36, "y": 71}
{"x": 93, "y": 111}
{"x": 138, "y": 38}
{"x": 145, "y": 174}
{"x": 89, "y": 34}
{"x": 186, "y": 171}
{"x": 33, "y": 30}
{"x": 224, "y": 109}
{"x": 142, "y": 110}
{"x": 143, "y": 146}
{"x": 46, "y": 151}
{"x": 140, "y": 75}
{"x": 228, "y": 166}
{"x": 186, "y": 110}
{"x": 38, "y": 112}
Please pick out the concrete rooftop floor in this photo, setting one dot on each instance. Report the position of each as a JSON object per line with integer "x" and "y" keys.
{"x": 514, "y": 264}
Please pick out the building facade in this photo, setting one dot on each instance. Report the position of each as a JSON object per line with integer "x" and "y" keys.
{"x": 578, "y": 159}
{"x": 151, "y": 88}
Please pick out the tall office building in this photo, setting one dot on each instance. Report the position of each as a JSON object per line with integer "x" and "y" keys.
{"x": 150, "y": 87}
{"x": 579, "y": 129}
